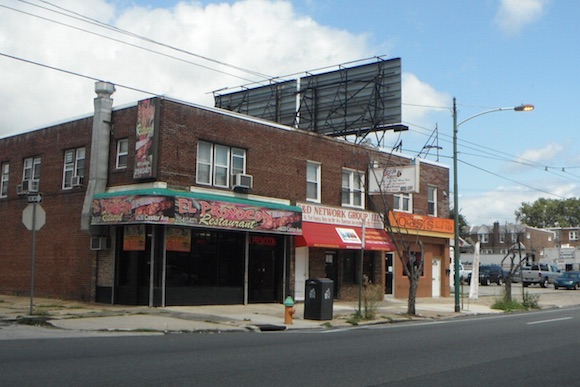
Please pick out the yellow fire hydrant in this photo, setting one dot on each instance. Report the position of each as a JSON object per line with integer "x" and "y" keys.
{"x": 289, "y": 310}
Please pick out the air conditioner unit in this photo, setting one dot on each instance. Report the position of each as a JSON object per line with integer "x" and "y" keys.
{"x": 77, "y": 181}
{"x": 100, "y": 243}
{"x": 27, "y": 186}
{"x": 33, "y": 185}
{"x": 20, "y": 189}
{"x": 242, "y": 181}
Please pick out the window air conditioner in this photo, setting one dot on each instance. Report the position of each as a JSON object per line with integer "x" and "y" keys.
{"x": 33, "y": 185}
{"x": 20, "y": 189}
{"x": 27, "y": 186}
{"x": 100, "y": 243}
{"x": 77, "y": 181}
{"x": 242, "y": 182}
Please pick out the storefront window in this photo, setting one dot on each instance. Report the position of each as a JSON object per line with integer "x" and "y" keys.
{"x": 216, "y": 260}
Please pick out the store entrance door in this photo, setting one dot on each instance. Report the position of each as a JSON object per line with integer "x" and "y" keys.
{"x": 265, "y": 269}
{"x": 331, "y": 267}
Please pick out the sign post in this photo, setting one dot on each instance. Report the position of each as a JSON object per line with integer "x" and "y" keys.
{"x": 33, "y": 218}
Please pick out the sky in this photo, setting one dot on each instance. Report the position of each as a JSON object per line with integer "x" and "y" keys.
{"x": 488, "y": 54}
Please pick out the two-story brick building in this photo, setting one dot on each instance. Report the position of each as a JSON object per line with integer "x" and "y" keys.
{"x": 497, "y": 240}
{"x": 168, "y": 203}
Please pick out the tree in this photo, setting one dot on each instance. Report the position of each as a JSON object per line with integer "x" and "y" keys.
{"x": 463, "y": 225}
{"x": 550, "y": 213}
{"x": 406, "y": 247}
{"x": 516, "y": 260}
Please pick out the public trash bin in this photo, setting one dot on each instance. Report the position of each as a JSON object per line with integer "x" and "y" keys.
{"x": 318, "y": 299}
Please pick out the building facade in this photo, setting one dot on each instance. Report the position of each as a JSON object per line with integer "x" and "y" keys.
{"x": 167, "y": 203}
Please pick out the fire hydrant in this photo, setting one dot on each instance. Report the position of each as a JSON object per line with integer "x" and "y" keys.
{"x": 289, "y": 310}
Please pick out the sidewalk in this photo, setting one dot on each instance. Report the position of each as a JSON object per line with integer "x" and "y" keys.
{"x": 80, "y": 317}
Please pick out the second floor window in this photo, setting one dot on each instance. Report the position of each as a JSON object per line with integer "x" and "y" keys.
{"x": 216, "y": 164}
{"x": 74, "y": 166}
{"x": 122, "y": 153}
{"x": 484, "y": 238}
{"x": 432, "y": 201}
{"x": 403, "y": 202}
{"x": 31, "y": 170}
{"x": 313, "y": 182}
{"x": 501, "y": 238}
{"x": 353, "y": 183}
{"x": 573, "y": 235}
{"x": 4, "y": 180}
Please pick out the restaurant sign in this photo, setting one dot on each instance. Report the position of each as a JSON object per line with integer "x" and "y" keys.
{"x": 421, "y": 222}
{"x": 189, "y": 211}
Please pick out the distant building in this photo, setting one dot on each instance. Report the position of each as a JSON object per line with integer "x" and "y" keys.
{"x": 566, "y": 251}
{"x": 497, "y": 241}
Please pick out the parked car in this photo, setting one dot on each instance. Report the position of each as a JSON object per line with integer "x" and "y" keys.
{"x": 489, "y": 274}
{"x": 568, "y": 280}
{"x": 464, "y": 273}
{"x": 542, "y": 274}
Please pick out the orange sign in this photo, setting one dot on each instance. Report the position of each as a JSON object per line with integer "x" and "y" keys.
{"x": 421, "y": 222}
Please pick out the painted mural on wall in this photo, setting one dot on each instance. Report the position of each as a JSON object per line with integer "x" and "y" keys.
{"x": 186, "y": 211}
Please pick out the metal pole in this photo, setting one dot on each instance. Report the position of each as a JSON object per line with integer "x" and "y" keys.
{"x": 33, "y": 258}
{"x": 456, "y": 253}
{"x": 360, "y": 273}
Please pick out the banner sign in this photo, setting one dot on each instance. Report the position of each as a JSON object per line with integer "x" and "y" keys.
{"x": 340, "y": 216}
{"x": 404, "y": 179}
{"x": 146, "y": 139}
{"x": 187, "y": 211}
{"x": 178, "y": 239}
{"x": 134, "y": 238}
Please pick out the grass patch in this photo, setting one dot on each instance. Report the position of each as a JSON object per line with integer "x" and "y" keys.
{"x": 34, "y": 321}
{"x": 530, "y": 301}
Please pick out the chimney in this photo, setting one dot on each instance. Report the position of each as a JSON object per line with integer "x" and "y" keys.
{"x": 101, "y": 136}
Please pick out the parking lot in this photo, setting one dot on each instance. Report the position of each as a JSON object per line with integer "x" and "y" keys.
{"x": 548, "y": 296}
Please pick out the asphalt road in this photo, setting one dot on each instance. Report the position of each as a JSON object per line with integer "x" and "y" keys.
{"x": 531, "y": 349}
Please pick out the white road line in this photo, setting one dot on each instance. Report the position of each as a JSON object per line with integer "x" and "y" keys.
{"x": 549, "y": 321}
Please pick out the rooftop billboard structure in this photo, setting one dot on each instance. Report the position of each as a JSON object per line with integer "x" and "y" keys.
{"x": 348, "y": 101}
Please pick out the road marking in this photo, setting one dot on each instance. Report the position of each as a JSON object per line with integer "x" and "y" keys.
{"x": 549, "y": 321}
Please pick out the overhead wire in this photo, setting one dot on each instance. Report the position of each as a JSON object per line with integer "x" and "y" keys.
{"x": 83, "y": 18}
{"x": 127, "y": 43}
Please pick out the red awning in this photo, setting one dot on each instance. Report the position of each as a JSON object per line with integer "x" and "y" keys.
{"x": 342, "y": 237}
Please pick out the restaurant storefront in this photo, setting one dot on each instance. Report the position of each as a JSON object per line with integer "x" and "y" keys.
{"x": 189, "y": 248}
{"x": 434, "y": 235}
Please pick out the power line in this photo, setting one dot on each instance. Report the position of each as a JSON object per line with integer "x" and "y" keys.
{"x": 125, "y": 43}
{"x": 73, "y": 73}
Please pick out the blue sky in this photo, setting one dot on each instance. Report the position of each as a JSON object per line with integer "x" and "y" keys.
{"x": 486, "y": 53}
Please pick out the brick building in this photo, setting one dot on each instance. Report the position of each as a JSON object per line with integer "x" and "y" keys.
{"x": 168, "y": 203}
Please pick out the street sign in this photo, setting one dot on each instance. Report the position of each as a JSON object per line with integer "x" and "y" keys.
{"x": 27, "y": 215}
{"x": 34, "y": 198}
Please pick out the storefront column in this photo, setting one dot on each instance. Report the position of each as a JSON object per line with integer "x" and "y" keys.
{"x": 152, "y": 268}
{"x": 164, "y": 268}
{"x": 246, "y": 267}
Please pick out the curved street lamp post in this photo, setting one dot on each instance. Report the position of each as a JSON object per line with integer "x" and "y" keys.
{"x": 456, "y": 253}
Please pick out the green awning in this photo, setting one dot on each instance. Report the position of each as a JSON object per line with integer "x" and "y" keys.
{"x": 195, "y": 209}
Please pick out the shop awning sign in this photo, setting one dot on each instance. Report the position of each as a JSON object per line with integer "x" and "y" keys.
{"x": 162, "y": 206}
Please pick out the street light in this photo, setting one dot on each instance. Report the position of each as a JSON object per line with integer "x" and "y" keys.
{"x": 456, "y": 253}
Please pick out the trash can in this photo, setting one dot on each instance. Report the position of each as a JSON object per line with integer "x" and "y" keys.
{"x": 318, "y": 299}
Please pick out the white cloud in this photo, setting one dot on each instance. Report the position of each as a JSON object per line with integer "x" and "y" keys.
{"x": 266, "y": 36}
{"x": 513, "y": 15}
{"x": 418, "y": 97}
{"x": 501, "y": 203}
{"x": 544, "y": 154}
